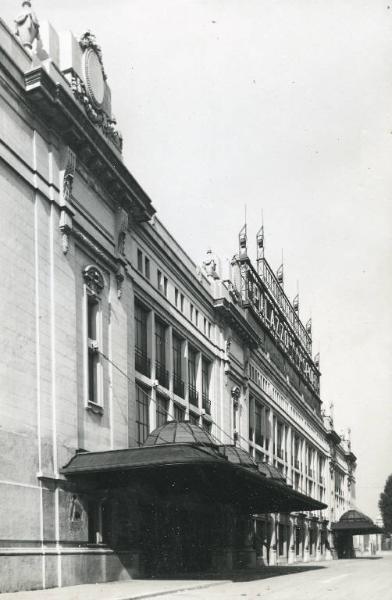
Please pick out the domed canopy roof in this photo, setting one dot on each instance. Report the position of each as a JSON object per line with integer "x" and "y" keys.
{"x": 238, "y": 456}
{"x": 179, "y": 432}
{"x": 271, "y": 472}
{"x": 184, "y": 455}
{"x": 356, "y": 523}
{"x": 353, "y": 515}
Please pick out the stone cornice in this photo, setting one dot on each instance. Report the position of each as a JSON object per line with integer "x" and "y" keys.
{"x": 350, "y": 457}
{"x": 175, "y": 267}
{"x": 291, "y": 394}
{"x": 231, "y": 315}
{"x": 334, "y": 437}
{"x": 57, "y": 107}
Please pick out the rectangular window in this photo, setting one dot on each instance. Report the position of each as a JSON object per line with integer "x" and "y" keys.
{"x": 160, "y": 343}
{"x": 259, "y": 439}
{"x": 193, "y": 395}
{"x": 142, "y": 420}
{"x": 159, "y": 281}
{"x": 165, "y": 286}
{"x": 207, "y": 425}
{"x": 162, "y": 408}
{"x": 205, "y": 385}
{"x": 209, "y": 330}
{"x": 259, "y": 456}
{"x": 280, "y": 440}
{"x": 93, "y": 342}
{"x": 179, "y": 413}
{"x": 251, "y": 418}
{"x": 182, "y": 302}
{"x": 197, "y": 318}
{"x": 176, "y": 296}
{"x": 193, "y": 419}
{"x": 140, "y": 260}
{"x": 142, "y": 362}
{"x": 205, "y": 326}
{"x": 191, "y": 312}
{"x": 178, "y": 384}
{"x": 147, "y": 267}
{"x": 161, "y": 373}
{"x": 296, "y": 453}
{"x": 267, "y": 427}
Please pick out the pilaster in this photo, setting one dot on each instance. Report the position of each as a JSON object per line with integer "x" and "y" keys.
{"x": 274, "y": 541}
{"x": 291, "y": 541}
{"x": 169, "y": 367}
{"x": 306, "y": 541}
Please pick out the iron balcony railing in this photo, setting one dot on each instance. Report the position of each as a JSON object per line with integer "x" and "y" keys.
{"x": 193, "y": 395}
{"x": 206, "y": 403}
{"x": 178, "y": 386}
{"x": 161, "y": 374}
{"x": 142, "y": 362}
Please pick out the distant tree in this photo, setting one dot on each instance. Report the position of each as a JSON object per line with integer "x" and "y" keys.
{"x": 385, "y": 504}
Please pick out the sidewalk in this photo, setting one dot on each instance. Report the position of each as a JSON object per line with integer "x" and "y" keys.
{"x": 116, "y": 590}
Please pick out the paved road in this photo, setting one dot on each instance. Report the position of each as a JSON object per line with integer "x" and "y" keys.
{"x": 359, "y": 579}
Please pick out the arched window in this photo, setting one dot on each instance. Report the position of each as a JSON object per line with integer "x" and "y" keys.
{"x": 94, "y": 284}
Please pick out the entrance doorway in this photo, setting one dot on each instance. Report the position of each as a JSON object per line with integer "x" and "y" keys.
{"x": 177, "y": 539}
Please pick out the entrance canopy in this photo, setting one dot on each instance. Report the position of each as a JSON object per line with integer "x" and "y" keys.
{"x": 181, "y": 456}
{"x": 355, "y": 523}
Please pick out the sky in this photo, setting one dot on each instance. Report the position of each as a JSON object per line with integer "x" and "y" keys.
{"x": 285, "y": 107}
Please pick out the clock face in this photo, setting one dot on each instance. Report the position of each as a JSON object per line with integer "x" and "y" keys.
{"x": 94, "y": 78}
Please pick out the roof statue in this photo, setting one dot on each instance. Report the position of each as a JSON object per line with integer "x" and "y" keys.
{"x": 27, "y": 26}
{"x": 210, "y": 265}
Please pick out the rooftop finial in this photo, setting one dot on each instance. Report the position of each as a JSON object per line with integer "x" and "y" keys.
{"x": 308, "y": 326}
{"x": 280, "y": 272}
{"x": 260, "y": 242}
{"x": 242, "y": 238}
{"x": 349, "y": 438}
{"x": 27, "y": 26}
{"x": 296, "y": 299}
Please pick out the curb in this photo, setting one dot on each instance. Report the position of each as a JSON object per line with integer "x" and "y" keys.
{"x": 173, "y": 591}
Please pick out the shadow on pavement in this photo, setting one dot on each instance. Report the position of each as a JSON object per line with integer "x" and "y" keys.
{"x": 238, "y": 576}
{"x": 368, "y": 557}
{"x": 273, "y": 572}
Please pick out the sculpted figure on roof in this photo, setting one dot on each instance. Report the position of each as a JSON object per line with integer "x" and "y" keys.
{"x": 27, "y": 25}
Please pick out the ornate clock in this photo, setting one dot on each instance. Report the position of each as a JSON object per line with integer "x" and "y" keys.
{"x": 94, "y": 77}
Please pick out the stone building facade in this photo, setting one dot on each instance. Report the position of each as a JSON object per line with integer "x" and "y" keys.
{"x": 109, "y": 329}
